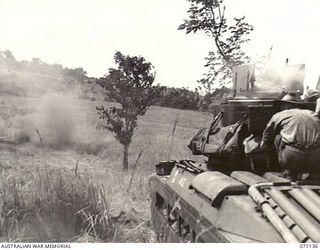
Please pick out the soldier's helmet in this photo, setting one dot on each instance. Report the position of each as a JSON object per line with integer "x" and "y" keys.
{"x": 311, "y": 95}
{"x": 290, "y": 97}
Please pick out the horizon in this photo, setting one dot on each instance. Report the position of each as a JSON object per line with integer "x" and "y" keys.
{"x": 88, "y": 34}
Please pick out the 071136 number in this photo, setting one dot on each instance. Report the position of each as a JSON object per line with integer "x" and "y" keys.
{"x": 309, "y": 245}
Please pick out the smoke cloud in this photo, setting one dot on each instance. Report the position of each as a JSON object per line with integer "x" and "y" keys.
{"x": 49, "y": 112}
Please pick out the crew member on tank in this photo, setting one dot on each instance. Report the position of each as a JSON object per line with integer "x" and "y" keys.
{"x": 295, "y": 134}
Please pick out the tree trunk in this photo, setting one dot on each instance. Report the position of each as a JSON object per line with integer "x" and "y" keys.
{"x": 125, "y": 158}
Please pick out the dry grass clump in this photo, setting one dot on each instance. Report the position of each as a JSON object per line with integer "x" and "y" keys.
{"x": 52, "y": 205}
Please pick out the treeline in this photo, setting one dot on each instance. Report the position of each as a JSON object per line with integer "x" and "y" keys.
{"x": 35, "y": 77}
{"x": 183, "y": 98}
{"x": 9, "y": 62}
{"x": 215, "y": 97}
{"x": 180, "y": 98}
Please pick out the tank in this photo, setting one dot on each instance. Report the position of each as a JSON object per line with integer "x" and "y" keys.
{"x": 251, "y": 201}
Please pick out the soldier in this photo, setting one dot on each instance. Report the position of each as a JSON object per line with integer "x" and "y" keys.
{"x": 295, "y": 134}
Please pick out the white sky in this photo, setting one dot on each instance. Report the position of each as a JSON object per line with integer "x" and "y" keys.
{"x": 87, "y": 33}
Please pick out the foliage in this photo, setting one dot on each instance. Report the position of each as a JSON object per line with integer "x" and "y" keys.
{"x": 130, "y": 85}
{"x": 8, "y": 61}
{"x": 26, "y": 77}
{"x": 209, "y": 17}
{"x": 214, "y": 98}
{"x": 180, "y": 98}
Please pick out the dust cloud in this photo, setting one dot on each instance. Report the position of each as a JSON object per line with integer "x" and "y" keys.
{"x": 51, "y": 123}
{"x": 50, "y": 113}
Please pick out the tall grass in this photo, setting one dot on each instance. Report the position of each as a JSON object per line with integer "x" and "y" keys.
{"x": 47, "y": 204}
{"x": 52, "y": 205}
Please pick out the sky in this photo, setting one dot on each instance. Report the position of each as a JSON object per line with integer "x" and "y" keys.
{"x": 87, "y": 33}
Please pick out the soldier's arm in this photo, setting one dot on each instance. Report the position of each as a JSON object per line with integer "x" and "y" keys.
{"x": 270, "y": 131}
{"x": 267, "y": 136}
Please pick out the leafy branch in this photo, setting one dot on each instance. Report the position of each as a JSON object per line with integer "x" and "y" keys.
{"x": 209, "y": 17}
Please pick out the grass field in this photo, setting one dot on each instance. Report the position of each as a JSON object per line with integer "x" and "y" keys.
{"x": 61, "y": 177}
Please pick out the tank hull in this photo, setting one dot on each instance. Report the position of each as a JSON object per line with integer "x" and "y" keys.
{"x": 217, "y": 208}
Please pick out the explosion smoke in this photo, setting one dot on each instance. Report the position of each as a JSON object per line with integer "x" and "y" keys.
{"x": 46, "y": 114}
